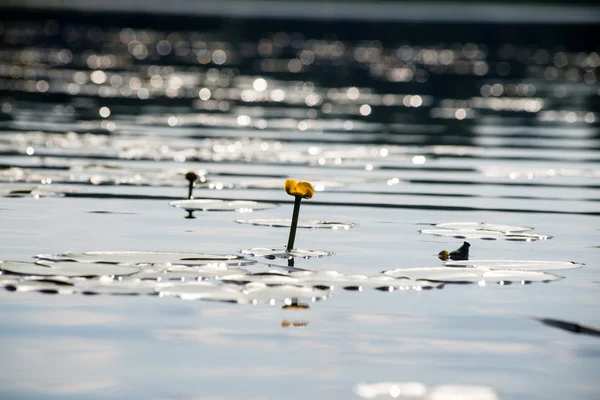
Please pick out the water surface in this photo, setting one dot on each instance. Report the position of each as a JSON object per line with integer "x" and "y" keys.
{"x": 432, "y": 123}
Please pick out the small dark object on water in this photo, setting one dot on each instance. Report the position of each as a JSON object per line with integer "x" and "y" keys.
{"x": 569, "y": 326}
{"x": 191, "y": 177}
{"x": 462, "y": 253}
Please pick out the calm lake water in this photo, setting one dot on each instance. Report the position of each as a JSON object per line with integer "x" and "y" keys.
{"x": 400, "y": 126}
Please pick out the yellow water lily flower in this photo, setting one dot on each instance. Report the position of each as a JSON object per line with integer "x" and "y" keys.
{"x": 302, "y": 189}
{"x": 443, "y": 255}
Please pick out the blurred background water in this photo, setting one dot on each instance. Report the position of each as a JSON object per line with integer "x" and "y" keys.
{"x": 408, "y": 115}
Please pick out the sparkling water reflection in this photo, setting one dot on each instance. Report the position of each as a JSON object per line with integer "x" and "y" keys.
{"x": 397, "y": 125}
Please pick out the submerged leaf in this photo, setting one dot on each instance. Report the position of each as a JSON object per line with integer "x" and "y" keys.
{"x": 222, "y": 205}
{"x": 286, "y": 223}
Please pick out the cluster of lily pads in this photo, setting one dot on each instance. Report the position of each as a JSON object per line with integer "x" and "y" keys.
{"x": 227, "y": 277}
{"x": 249, "y": 277}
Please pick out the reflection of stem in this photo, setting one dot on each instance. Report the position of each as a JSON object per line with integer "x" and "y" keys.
{"x": 290, "y": 244}
{"x": 290, "y": 262}
{"x": 190, "y": 215}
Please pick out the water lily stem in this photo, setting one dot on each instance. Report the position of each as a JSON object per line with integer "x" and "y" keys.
{"x": 190, "y": 189}
{"x": 290, "y": 244}
{"x": 191, "y": 178}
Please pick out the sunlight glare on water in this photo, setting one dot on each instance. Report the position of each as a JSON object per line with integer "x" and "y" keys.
{"x": 132, "y": 146}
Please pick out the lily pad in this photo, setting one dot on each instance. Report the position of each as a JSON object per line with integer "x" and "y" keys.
{"x": 56, "y": 285}
{"x": 483, "y": 226}
{"x": 470, "y": 275}
{"x": 412, "y": 390}
{"x": 222, "y": 205}
{"x": 148, "y": 257}
{"x": 66, "y": 269}
{"x": 281, "y": 252}
{"x": 489, "y": 235}
{"x": 182, "y": 272}
{"x": 7, "y": 279}
{"x": 254, "y": 292}
{"x": 333, "y": 279}
{"x": 286, "y": 223}
{"x": 205, "y": 291}
{"x": 268, "y": 278}
{"x": 105, "y": 285}
{"x": 257, "y": 292}
{"x": 483, "y": 230}
{"x": 516, "y": 265}
{"x": 17, "y": 190}
{"x": 418, "y": 391}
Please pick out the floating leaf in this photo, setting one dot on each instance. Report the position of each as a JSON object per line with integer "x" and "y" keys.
{"x": 413, "y": 390}
{"x": 286, "y": 223}
{"x": 281, "y": 252}
{"x": 66, "y": 269}
{"x": 516, "y": 265}
{"x": 222, "y": 205}
{"x": 56, "y": 285}
{"x": 470, "y": 275}
{"x": 106, "y": 285}
{"x": 205, "y": 291}
{"x": 333, "y": 279}
{"x": 16, "y": 190}
{"x": 254, "y": 292}
{"x": 7, "y": 279}
{"x": 149, "y": 257}
{"x": 268, "y": 278}
{"x": 483, "y": 226}
{"x": 418, "y": 391}
{"x": 182, "y": 272}
{"x": 257, "y": 292}
{"x": 483, "y": 230}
